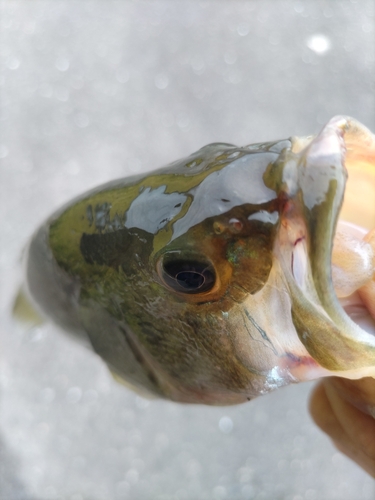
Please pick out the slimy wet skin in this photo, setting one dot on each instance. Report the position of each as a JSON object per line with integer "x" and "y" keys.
{"x": 213, "y": 280}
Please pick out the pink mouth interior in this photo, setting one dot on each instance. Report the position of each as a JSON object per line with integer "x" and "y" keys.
{"x": 358, "y": 312}
{"x": 353, "y": 304}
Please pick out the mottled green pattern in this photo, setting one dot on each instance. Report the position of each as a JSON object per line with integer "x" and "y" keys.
{"x": 231, "y": 215}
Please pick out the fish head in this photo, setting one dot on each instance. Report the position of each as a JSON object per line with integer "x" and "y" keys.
{"x": 209, "y": 281}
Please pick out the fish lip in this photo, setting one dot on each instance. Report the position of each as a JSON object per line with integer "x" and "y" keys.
{"x": 328, "y": 333}
{"x": 330, "y": 143}
{"x": 325, "y": 326}
{"x": 352, "y": 305}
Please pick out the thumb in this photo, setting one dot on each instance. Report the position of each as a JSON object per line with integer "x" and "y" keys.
{"x": 345, "y": 410}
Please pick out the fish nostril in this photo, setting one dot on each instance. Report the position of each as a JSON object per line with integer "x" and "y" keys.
{"x": 235, "y": 225}
{"x": 219, "y": 227}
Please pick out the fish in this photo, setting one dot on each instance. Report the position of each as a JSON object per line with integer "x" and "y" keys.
{"x": 225, "y": 275}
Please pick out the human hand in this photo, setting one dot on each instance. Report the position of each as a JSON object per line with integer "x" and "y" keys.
{"x": 345, "y": 410}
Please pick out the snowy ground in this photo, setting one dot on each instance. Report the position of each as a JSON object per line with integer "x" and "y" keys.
{"x": 91, "y": 91}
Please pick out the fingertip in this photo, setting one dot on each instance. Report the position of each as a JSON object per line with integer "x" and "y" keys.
{"x": 359, "y": 393}
{"x": 319, "y": 406}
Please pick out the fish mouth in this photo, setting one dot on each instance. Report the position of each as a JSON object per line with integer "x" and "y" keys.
{"x": 351, "y": 303}
{"x": 338, "y": 332}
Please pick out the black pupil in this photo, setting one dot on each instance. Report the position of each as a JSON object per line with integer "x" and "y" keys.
{"x": 190, "y": 279}
{"x": 188, "y": 276}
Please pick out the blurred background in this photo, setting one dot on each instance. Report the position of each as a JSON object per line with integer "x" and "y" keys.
{"x": 92, "y": 91}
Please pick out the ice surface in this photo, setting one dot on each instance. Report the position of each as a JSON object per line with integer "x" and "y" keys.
{"x": 91, "y": 91}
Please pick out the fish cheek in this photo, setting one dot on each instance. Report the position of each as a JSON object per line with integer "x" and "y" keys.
{"x": 251, "y": 259}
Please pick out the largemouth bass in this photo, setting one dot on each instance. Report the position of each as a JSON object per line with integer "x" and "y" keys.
{"x": 224, "y": 275}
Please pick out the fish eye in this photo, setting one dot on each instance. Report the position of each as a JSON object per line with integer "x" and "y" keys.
{"x": 187, "y": 276}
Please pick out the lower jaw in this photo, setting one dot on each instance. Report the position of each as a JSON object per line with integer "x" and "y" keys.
{"x": 306, "y": 367}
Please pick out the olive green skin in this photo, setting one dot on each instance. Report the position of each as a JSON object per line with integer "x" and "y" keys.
{"x": 96, "y": 268}
{"x": 102, "y": 278}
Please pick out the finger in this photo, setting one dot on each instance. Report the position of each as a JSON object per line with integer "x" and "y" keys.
{"x": 348, "y": 448}
{"x": 323, "y": 415}
{"x": 360, "y": 393}
{"x": 357, "y": 429}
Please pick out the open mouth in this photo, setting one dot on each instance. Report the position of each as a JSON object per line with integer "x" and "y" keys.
{"x": 332, "y": 321}
{"x": 347, "y": 281}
